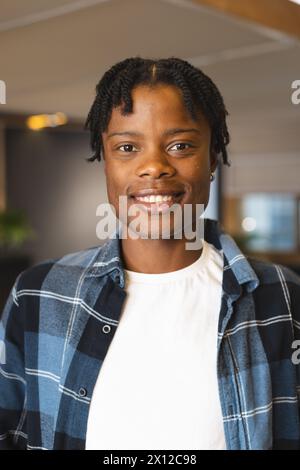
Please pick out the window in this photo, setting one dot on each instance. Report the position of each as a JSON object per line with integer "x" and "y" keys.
{"x": 270, "y": 221}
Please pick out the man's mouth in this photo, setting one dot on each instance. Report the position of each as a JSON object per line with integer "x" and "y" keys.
{"x": 157, "y": 203}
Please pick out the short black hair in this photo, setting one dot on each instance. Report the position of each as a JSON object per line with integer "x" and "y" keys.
{"x": 198, "y": 91}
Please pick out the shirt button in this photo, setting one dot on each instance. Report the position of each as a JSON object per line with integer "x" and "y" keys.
{"x": 82, "y": 392}
{"x": 106, "y": 329}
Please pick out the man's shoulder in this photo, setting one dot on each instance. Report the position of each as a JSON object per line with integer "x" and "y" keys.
{"x": 273, "y": 273}
{"x": 277, "y": 296}
{"x": 278, "y": 285}
{"x": 60, "y": 269}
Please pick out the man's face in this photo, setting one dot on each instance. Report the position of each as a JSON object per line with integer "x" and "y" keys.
{"x": 157, "y": 154}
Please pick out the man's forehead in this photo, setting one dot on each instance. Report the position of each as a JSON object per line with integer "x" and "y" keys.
{"x": 164, "y": 118}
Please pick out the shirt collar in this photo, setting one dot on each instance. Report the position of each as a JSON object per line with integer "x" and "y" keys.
{"x": 238, "y": 270}
{"x": 236, "y": 266}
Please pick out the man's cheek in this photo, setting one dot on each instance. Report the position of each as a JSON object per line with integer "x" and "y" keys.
{"x": 201, "y": 193}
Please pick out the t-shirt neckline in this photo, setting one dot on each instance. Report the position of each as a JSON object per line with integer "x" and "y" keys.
{"x": 179, "y": 274}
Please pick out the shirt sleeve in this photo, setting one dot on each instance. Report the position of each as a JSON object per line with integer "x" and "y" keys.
{"x": 12, "y": 376}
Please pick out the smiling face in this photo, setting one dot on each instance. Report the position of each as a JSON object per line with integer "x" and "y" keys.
{"x": 157, "y": 150}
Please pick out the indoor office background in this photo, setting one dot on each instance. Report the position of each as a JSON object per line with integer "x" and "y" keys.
{"x": 52, "y": 54}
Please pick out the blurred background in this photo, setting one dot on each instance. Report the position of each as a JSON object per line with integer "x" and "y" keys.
{"x": 52, "y": 54}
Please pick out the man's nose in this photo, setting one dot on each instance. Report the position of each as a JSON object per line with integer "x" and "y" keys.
{"x": 155, "y": 165}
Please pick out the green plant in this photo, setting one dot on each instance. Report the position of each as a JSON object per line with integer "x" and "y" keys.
{"x": 14, "y": 228}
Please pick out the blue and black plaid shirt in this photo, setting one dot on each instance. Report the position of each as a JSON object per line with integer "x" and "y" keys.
{"x": 62, "y": 314}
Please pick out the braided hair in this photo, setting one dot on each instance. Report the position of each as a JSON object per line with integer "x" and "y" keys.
{"x": 198, "y": 91}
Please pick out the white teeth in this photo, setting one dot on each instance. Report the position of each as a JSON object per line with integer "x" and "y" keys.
{"x": 152, "y": 198}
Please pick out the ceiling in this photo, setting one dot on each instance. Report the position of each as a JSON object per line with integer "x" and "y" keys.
{"x": 53, "y": 52}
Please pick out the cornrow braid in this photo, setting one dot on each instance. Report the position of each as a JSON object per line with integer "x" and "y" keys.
{"x": 198, "y": 91}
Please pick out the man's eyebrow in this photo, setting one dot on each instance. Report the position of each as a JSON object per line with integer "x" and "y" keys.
{"x": 179, "y": 130}
{"x": 173, "y": 131}
{"x": 134, "y": 134}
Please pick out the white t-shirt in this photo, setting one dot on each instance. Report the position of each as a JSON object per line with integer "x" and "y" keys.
{"x": 157, "y": 387}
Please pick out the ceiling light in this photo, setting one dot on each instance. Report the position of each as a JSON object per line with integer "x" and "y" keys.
{"x": 40, "y": 121}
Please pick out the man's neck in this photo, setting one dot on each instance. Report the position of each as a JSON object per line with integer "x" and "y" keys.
{"x": 157, "y": 256}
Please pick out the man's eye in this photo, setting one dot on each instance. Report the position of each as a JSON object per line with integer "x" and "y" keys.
{"x": 181, "y": 145}
{"x": 127, "y": 148}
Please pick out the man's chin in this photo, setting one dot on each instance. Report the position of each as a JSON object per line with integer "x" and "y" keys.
{"x": 154, "y": 232}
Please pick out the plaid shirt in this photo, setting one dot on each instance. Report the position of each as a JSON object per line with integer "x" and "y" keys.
{"x": 60, "y": 319}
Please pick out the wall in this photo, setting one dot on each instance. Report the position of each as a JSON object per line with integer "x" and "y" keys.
{"x": 265, "y": 172}
{"x": 48, "y": 177}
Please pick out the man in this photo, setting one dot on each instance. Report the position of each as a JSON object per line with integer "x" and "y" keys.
{"x": 143, "y": 343}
